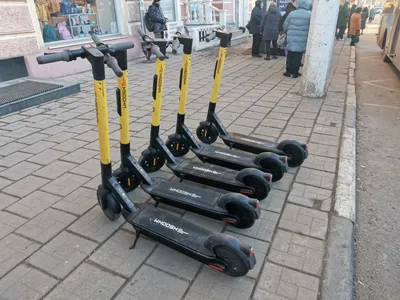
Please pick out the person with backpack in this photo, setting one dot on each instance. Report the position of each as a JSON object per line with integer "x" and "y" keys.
{"x": 254, "y": 29}
{"x": 156, "y": 16}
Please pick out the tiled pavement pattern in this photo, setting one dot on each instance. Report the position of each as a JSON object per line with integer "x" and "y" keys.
{"x": 55, "y": 242}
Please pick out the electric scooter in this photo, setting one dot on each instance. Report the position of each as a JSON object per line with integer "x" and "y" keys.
{"x": 182, "y": 141}
{"x": 235, "y": 209}
{"x": 209, "y": 130}
{"x": 249, "y": 181}
{"x": 220, "y": 251}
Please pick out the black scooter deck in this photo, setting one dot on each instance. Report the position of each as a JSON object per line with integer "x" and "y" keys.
{"x": 236, "y": 160}
{"x": 168, "y": 229}
{"x": 199, "y": 170}
{"x": 244, "y": 142}
{"x": 185, "y": 195}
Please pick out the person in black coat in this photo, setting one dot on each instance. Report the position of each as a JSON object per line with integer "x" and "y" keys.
{"x": 269, "y": 30}
{"x": 289, "y": 8}
{"x": 254, "y": 29}
{"x": 157, "y": 16}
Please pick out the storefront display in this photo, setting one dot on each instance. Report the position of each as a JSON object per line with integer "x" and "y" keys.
{"x": 74, "y": 19}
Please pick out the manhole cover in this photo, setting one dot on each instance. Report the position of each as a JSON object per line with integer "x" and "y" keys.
{"x": 24, "y": 90}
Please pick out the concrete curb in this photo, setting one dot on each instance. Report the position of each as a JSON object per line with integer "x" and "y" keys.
{"x": 339, "y": 269}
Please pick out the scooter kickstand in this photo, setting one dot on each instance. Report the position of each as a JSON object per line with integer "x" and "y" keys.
{"x": 137, "y": 235}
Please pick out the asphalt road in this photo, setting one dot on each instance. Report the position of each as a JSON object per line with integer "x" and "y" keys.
{"x": 378, "y": 173}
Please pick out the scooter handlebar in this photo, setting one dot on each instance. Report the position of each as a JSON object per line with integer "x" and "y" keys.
{"x": 157, "y": 52}
{"x": 121, "y": 46}
{"x": 96, "y": 39}
{"x": 112, "y": 63}
{"x": 53, "y": 57}
{"x": 213, "y": 34}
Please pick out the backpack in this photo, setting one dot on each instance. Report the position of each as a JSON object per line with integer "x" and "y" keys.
{"x": 49, "y": 34}
{"x": 150, "y": 25}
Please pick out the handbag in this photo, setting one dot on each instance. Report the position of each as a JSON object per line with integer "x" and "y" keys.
{"x": 356, "y": 39}
{"x": 281, "y": 41}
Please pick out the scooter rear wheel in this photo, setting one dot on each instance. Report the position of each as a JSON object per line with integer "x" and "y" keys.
{"x": 207, "y": 132}
{"x": 259, "y": 184}
{"x": 244, "y": 214}
{"x": 178, "y": 146}
{"x": 235, "y": 265}
{"x": 274, "y": 166}
{"x": 294, "y": 150}
{"x": 109, "y": 205}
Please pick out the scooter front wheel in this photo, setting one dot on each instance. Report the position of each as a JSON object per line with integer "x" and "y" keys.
{"x": 109, "y": 205}
{"x": 151, "y": 162}
{"x": 179, "y": 146}
{"x": 235, "y": 264}
{"x": 207, "y": 132}
{"x": 295, "y": 151}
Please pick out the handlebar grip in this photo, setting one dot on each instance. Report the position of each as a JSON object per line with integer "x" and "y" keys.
{"x": 121, "y": 46}
{"x": 157, "y": 52}
{"x": 96, "y": 39}
{"x": 141, "y": 32}
{"x": 211, "y": 36}
{"x": 53, "y": 57}
{"x": 112, "y": 63}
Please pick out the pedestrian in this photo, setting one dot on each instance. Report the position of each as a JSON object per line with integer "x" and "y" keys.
{"x": 372, "y": 14}
{"x": 289, "y": 8}
{"x": 296, "y": 26}
{"x": 342, "y": 20}
{"x": 364, "y": 17}
{"x": 157, "y": 16}
{"x": 355, "y": 26}
{"x": 269, "y": 30}
{"x": 352, "y": 11}
{"x": 254, "y": 29}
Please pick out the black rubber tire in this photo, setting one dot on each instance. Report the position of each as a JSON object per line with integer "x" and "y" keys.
{"x": 208, "y": 134}
{"x": 260, "y": 186}
{"x": 147, "y": 162}
{"x": 111, "y": 209}
{"x": 235, "y": 265}
{"x": 244, "y": 215}
{"x": 275, "y": 167}
{"x": 183, "y": 146}
{"x": 296, "y": 153}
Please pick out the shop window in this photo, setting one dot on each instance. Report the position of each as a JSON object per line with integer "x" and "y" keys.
{"x": 168, "y": 8}
{"x": 66, "y": 20}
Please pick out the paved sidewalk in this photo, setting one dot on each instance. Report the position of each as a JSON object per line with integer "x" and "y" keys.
{"x": 55, "y": 242}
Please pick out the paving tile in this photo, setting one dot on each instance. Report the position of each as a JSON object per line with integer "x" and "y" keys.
{"x": 87, "y": 282}
{"x": 316, "y": 178}
{"x": 13, "y": 118}
{"x": 173, "y": 262}
{"x": 13, "y": 159}
{"x": 328, "y": 130}
{"x": 78, "y": 202}
{"x": 10, "y": 148}
{"x": 25, "y": 283}
{"x": 55, "y": 169}
{"x": 47, "y": 156}
{"x": 320, "y": 163}
{"x": 262, "y": 229}
{"x": 151, "y": 284}
{"x": 59, "y": 138}
{"x": 81, "y": 155}
{"x": 116, "y": 255}
{"x": 38, "y": 147}
{"x": 212, "y": 285}
{"x": 278, "y": 283}
{"x": 4, "y": 182}
{"x": 65, "y": 184}
{"x": 304, "y": 220}
{"x": 301, "y": 122}
{"x": 93, "y": 183}
{"x": 95, "y": 225}
{"x": 323, "y": 150}
{"x": 13, "y": 250}
{"x": 6, "y": 200}
{"x": 33, "y": 204}
{"x": 5, "y": 140}
{"x": 310, "y": 196}
{"x": 25, "y": 186}
{"x": 33, "y": 138}
{"x": 55, "y": 129}
{"x": 274, "y": 201}
{"x": 89, "y": 168}
{"x": 62, "y": 254}
{"x": 9, "y": 222}
{"x": 285, "y": 183}
{"x": 325, "y": 139}
{"x": 21, "y": 132}
{"x": 268, "y": 131}
{"x": 70, "y": 145}
{"x": 46, "y": 225}
{"x": 88, "y": 136}
{"x": 20, "y": 170}
{"x": 297, "y": 252}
